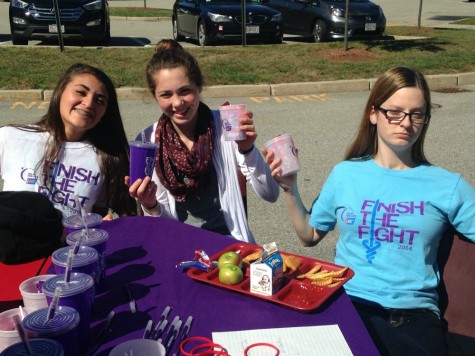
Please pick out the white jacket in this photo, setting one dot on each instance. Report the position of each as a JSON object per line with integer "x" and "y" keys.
{"x": 226, "y": 159}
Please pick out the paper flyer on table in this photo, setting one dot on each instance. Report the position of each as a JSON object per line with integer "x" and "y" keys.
{"x": 322, "y": 340}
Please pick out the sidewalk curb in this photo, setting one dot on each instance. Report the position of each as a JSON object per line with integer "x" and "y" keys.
{"x": 246, "y": 90}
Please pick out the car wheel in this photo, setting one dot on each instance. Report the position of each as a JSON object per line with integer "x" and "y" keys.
{"x": 19, "y": 41}
{"x": 203, "y": 38}
{"x": 176, "y": 35}
{"x": 320, "y": 31}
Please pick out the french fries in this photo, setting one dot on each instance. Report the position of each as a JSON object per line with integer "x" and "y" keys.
{"x": 323, "y": 277}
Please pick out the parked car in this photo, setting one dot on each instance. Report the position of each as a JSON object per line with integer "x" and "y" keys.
{"x": 324, "y": 20}
{"x": 84, "y": 20}
{"x": 210, "y": 21}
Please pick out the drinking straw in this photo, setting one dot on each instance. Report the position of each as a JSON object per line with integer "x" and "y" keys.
{"x": 21, "y": 332}
{"x": 21, "y": 312}
{"x": 78, "y": 243}
{"x": 82, "y": 214}
{"x": 69, "y": 263}
{"x": 142, "y": 134}
{"x": 53, "y": 305}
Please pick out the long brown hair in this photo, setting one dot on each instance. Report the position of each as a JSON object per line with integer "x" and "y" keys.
{"x": 365, "y": 144}
{"x": 108, "y": 139}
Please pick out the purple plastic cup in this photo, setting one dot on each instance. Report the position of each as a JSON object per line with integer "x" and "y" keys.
{"x": 97, "y": 240}
{"x": 142, "y": 159}
{"x": 78, "y": 293}
{"x": 62, "y": 327}
{"x": 230, "y": 115}
{"x": 43, "y": 347}
{"x": 74, "y": 222}
{"x": 85, "y": 261}
{"x": 284, "y": 148}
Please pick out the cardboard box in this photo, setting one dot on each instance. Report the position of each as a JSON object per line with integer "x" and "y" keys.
{"x": 266, "y": 272}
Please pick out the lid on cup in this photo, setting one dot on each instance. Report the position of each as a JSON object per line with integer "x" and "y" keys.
{"x": 96, "y": 237}
{"x": 232, "y": 107}
{"x": 79, "y": 282}
{"x": 64, "y": 319}
{"x": 85, "y": 256}
{"x": 75, "y": 221}
{"x": 277, "y": 139}
{"x": 142, "y": 144}
{"x": 43, "y": 347}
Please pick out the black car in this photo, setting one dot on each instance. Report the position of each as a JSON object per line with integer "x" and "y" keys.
{"x": 324, "y": 20}
{"x": 84, "y": 20}
{"x": 210, "y": 21}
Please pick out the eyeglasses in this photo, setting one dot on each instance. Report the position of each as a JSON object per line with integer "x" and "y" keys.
{"x": 393, "y": 116}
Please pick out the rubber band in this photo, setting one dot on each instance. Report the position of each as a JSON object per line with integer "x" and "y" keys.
{"x": 257, "y": 344}
{"x": 207, "y": 347}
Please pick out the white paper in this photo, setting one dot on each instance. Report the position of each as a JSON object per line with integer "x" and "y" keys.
{"x": 325, "y": 340}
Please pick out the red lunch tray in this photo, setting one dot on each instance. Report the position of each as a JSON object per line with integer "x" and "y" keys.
{"x": 298, "y": 294}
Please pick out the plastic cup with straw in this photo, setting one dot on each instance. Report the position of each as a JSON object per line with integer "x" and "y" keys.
{"x": 54, "y": 304}
{"x": 22, "y": 334}
{"x": 82, "y": 213}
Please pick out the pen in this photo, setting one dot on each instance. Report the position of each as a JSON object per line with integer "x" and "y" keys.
{"x": 169, "y": 332}
{"x": 164, "y": 315}
{"x": 160, "y": 330}
{"x": 173, "y": 336}
{"x": 133, "y": 306}
{"x": 186, "y": 330}
{"x": 148, "y": 330}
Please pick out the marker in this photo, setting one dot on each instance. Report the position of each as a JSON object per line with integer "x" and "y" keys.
{"x": 132, "y": 304}
{"x": 173, "y": 336}
{"x": 186, "y": 331}
{"x": 162, "y": 318}
{"x": 148, "y": 330}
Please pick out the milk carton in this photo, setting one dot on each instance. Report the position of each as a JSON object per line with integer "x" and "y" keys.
{"x": 266, "y": 272}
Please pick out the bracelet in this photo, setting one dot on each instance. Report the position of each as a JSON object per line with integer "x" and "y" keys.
{"x": 246, "y": 151}
{"x": 152, "y": 207}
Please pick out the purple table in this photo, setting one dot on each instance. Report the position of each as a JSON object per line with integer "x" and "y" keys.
{"x": 143, "y": 252}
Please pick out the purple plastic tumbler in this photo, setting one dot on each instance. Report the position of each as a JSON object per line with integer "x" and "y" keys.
{"x": 142, "y": 159}
{"x": 78, "y": 293}
{"x": 75, "y": 222}
{"x": 85, "y": 261}
{"x": 62, "y": 327}
{"x": 43, "y": 347}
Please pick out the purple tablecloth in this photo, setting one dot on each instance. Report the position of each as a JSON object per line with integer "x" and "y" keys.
{"x": 144, "y": 251}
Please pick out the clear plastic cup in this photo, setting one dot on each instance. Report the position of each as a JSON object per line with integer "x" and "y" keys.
{"x": 142, "y": 159}
{"x": 8, "y": 332}
{"x": 74, "y": 222}
{"x": 97, "y": 240}
{"x": 230, "y": 115}
{"x": 139, "y": 347}
{"x": 284, "y": 148}
{"x": 31, "y": 292}
{"x": 85, "y": 261}
{"x": 62, "y": 327}
{"x": 78, "y": 293}
{"x": 43, "y": 347}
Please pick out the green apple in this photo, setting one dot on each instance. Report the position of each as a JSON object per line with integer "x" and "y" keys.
{"x": 230, "y": 274}
{"x": 230, "y": 257}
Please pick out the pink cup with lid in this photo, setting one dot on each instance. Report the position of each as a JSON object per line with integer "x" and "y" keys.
{"x": 230, "y": 115}
{"x": 284, "y": 148}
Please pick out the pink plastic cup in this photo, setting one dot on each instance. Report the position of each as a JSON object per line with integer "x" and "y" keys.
{"x": 230, "y": 115}
{"x": 283, "y": 147}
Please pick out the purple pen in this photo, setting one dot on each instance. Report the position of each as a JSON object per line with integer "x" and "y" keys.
{"x": 164, "y": 315}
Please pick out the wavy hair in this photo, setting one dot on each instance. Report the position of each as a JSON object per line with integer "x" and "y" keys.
{"x": 365, "y": 144}
{"x": 108, "y": 139}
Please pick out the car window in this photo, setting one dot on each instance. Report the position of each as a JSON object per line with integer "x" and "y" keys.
{"x": 232, "y": 1}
